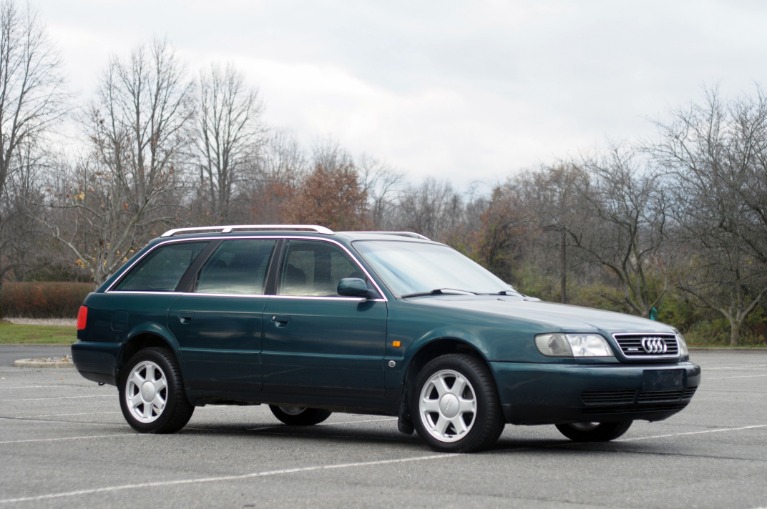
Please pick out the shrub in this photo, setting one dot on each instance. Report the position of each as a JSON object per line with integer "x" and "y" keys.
{"x": 43, "y": 299}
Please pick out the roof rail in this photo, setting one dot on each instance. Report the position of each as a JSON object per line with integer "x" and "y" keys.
{"x": 248, "y": 227}
{"x": 400, "y": 234}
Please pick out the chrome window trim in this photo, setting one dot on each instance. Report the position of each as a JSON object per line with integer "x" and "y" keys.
{"x": 318, "y": 297}
{"x": 217, "y": 237}
{"x": 146, "y": 292}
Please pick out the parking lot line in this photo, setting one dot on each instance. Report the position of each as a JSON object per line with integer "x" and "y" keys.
{"x": 63, "y": 439}
{"x": 675, "y": 435}
{"x": 61, "y": 397}
{"x": 252, "y": 475}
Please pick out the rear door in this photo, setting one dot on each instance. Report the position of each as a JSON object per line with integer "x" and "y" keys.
{"x": 218, "y": 325}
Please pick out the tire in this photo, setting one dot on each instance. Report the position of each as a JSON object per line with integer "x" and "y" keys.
{"x": 455, "y": 406}
{"x": 152, "y": 396}
{"x": 298, "y": 415}
{"x": 594, "y": 431}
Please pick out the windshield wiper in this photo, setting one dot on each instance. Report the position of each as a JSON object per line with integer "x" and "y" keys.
{"x": 440, "y": 291}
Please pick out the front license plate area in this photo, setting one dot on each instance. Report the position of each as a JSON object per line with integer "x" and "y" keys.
{"x": 663, "y": 380}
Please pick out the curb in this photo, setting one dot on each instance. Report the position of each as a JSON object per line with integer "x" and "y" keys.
{"x": 45, "y": 362}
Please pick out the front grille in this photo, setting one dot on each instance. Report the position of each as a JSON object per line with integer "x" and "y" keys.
{"x": 653, "y": 396}
{"x": 645, "y": 409}
{"x": 648, "y": 346}
{"x": 689, "y": 392}
{"x": 609, "y": 397}
{"x": 631, "y": 397}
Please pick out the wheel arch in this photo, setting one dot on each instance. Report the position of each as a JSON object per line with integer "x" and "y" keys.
{"x": 140, "y": 341}
{"x": 436, "y": 348}
{"x": 431, "y": 350}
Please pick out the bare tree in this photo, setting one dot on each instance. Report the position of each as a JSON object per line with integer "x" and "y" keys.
{"x": 716, "y": 153}
{"x": 624, "y": 228}
{"x": 381, "y": 184}
{"x": 228, "y": 134}
{"x": 280, "y": 168}
{"x": 129, "y": 182}
{"x": 432, "y": 208}
{"x": 31, "y": 101}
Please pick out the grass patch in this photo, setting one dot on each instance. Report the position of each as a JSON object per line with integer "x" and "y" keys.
{"x": 18, "y": 334}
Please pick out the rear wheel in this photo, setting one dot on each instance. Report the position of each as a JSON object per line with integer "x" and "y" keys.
{"x": 454, "y": 405}
{"x": 594, "y": 431}
{"x": 298, "y": 415}
{"x": 152, "y": 396}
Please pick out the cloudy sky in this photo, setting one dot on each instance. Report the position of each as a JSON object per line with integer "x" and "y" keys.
{"x": 457, "y": 89}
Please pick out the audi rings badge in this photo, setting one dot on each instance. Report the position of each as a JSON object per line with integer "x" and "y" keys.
{"x": 654, "y": 345}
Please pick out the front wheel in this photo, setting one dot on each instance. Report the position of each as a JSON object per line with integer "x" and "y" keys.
{"x": 594, "y": 431}
{"x": 454, "y": 405}
{"x": 152, "y": 396}
{"x": 298, "y": 415}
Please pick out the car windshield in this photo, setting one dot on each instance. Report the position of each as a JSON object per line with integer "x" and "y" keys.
{"x": 412, "y": 269}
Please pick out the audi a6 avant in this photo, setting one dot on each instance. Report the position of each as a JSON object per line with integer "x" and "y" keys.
{"x": 310, "y": 321}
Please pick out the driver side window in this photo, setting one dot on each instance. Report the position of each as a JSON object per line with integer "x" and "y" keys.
{"x": 314, "y": 268}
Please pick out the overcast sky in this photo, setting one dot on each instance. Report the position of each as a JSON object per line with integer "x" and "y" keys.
{"x": 457, "y": 89}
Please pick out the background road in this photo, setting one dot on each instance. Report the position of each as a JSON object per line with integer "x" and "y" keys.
{"x": 63, "y": 443}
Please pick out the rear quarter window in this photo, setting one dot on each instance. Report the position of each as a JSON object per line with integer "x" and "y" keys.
{"x": 161, "y": 270}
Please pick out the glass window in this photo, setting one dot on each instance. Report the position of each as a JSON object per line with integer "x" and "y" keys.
{"x": 413, "y": 268}
{"x": 314, "y": 268}
{"x": 238, "y": 266}
{"x": 161, "y": 270}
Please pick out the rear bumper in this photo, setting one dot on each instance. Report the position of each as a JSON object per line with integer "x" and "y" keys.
{"x": 96, "y": 361}
{"x": 560, "y": 393}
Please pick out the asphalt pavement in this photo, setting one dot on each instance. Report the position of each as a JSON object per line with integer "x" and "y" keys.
{"x": 64, "y": 443}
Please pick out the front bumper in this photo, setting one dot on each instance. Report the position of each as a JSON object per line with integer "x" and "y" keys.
{"x": 561, "y": 393}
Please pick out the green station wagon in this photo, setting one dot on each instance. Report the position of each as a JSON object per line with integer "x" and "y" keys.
{"x": 311, "y": 321}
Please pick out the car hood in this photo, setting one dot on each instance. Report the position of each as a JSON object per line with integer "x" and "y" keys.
{"x": 562, "y": 317}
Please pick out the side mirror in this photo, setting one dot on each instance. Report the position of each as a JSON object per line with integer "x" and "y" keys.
{"x": 353, "y": 287}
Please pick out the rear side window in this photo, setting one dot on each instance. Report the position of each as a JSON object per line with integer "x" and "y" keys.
{"x": 237, "y": 267}
{"x": 161, "y": 270}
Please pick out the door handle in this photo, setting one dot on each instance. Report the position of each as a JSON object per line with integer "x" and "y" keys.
{"x": 184, "y": 319}
{"x": 280, "y": 321}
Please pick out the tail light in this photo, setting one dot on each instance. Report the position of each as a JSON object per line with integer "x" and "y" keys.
{"x": 82, "y": 317}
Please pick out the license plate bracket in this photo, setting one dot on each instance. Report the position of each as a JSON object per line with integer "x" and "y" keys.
{"x": 663, "y": 380}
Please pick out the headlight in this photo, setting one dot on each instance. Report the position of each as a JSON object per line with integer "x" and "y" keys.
{"x": 683, "y": 351}
{"x": 573, "y": 345}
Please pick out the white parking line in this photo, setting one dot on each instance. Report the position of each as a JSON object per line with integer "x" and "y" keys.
{"x": 60, "y": 439}
{"x": 252, "y": 475}
{"x": 734, "y": 368}
{"x": 31, "y": 386}
{"x": 60, "y": 397}
{"x": 707, "y": 379}
{"x": 51, "y": 421}
{"x": 674, "y": 435}
{"x": 63, "y": 415}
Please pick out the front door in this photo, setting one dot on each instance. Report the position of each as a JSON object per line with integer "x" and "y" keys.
{"x": 320, "y": 348}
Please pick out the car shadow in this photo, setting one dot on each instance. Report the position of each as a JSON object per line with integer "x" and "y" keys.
{"x": 389, "y": 436}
